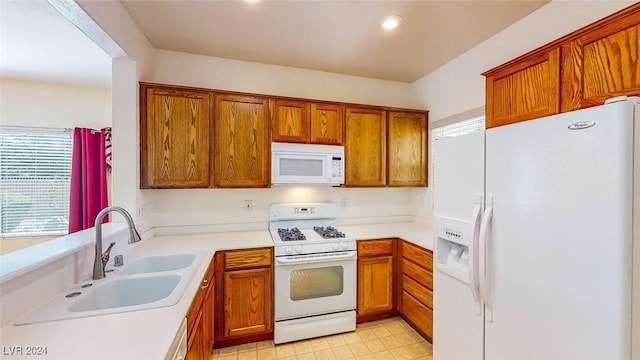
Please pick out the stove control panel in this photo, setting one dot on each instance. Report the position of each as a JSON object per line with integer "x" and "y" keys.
{"x": 304, "y": 210}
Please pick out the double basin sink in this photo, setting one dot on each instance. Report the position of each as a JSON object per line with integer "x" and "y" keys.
{"x": 145, "y": 283}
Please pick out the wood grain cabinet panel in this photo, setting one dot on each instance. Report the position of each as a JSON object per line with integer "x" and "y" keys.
{"x": 375, "y": 285}
{"x": 365, "y": 147}
{"x": 242, "y": 147}
{"x": 200, "y": 319}
{"x": 376, "y": 279}
{"x": 407, "y": 149}
{"x": 290, "y": 121}
{"x": 327, "y": 122}
{"x": 175, "y": 126}
{"x": 610, "y": 64}
{"x": 416, "y": 288}
{"x": 247, "y": 302}
{"x": 244, "y": 296}
{"x": 524, "y": 91}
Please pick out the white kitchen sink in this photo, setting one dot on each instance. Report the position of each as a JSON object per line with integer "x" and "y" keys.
{"x": 127, "y": 292}
{"x": 158, "y": 263}
{"x": 157, "y": 281}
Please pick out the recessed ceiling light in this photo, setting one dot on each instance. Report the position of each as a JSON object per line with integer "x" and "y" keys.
{"x": 252, "y": 1}
{"x": 391, "y": 22}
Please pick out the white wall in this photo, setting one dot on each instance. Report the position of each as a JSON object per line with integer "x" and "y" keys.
{"x": 43, "y": 104}
{"x": 133, "y": 62}
{"x": 458, "y": 86}
{"x": 225, "y": 74}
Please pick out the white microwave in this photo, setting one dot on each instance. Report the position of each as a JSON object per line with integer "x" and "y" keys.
{"x": 307, "y": 164}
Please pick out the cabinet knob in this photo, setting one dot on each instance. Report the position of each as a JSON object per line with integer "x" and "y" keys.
{"x": 205, "y": 284}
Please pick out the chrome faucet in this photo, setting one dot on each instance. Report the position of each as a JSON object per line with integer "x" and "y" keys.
{"x": 101, "y": 259}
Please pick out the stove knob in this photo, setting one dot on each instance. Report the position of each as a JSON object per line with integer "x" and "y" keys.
{"x": 298, "y": 248}
{"x": 288, "y": 250}
{"x": 344, "y": 245}
{"x": 335, "y": 246}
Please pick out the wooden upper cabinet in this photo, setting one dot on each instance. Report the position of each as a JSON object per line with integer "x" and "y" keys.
{"x": 290, "y": 121}
{"x": 525, "y": 90}
{"x": 175, "y": 127}
{"x": 241, "y": 141}
{"x": 581, "y": 69}
{"x": 327, "y": 123}
{"x": 407, "y": 149}
{"x": 365, "y": 147}
{"x": 601, "y": 64}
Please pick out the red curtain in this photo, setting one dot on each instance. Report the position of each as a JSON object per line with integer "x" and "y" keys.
{"x": 88, "y": 179}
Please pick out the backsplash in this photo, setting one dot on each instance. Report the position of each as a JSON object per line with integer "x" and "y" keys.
{"x": 213, "y": 208}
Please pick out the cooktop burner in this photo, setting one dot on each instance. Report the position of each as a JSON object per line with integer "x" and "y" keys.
{"x": 328, "y": 232}
{"x": 293, "y": 234}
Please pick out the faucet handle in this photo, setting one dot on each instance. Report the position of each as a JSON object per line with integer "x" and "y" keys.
{"x": 105, "y": 255}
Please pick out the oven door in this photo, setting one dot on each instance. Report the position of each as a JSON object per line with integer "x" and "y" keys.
{"x": 307, "y": 285}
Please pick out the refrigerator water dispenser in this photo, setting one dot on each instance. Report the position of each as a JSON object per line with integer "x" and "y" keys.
{"x": 452, "y": 247}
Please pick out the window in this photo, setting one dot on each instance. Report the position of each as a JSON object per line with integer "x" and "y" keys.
{"x": 463, "y": 127}
{"x": 35, "y": 172}
{"x": 456, "y": 128}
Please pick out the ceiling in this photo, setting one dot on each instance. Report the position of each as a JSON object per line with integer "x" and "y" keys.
{"x": 336, "y": 36}
{"x": 38, "y": 43}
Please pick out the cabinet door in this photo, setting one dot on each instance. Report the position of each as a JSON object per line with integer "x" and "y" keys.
{"x": 601, "y": 64}
{"x": 208, "y": 310}
{"x": 175, "y": 138}
{"x": 247, "y": 302}
{"x": 327, "y": 123}
{"x": 290, "y": 121}
{"x": 195, "y": 345}
{"x": 242, "y": 141}
{"x": 525, "y": 90}
{"x": 407, "y": 149}
{"x": 365, "y": 147}
{"x": 375, "y": 284}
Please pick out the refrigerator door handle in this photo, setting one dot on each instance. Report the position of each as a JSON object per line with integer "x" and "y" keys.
{"x": 485, "y": 255}
{"x": 473, "y": 255}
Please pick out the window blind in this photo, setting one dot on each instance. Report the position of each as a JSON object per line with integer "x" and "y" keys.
{"x": 35, "y": 172}
{"x": 468, "y": 126}
{"x": 463, "y": 127}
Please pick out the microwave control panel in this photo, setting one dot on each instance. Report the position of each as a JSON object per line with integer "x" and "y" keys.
{"x": 336, "y": 167}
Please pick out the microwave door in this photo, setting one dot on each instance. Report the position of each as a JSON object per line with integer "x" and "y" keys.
{"x": 300, "y": 169}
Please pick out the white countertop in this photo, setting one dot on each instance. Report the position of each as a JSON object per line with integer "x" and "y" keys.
{"x": 148, "y": 334}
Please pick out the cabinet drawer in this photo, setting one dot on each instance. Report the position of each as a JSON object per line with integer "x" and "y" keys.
{"x": 246, "y": 259}
{"x": 419, "y": 274}
{"x": 375, "y": 247}
{"x": 418, "y": 314}
{"x": 418, "y": 255}
{"x": 418, "y": 291}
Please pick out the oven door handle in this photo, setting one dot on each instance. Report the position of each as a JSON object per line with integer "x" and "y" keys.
{"x": 314, "y": 259}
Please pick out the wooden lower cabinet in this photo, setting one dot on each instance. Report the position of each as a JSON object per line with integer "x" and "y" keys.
{"x": 200, "y": 319}
{"x": 376, "y": 279}
{"x": 244, "y": 296}
{"x": 416, "y": 283}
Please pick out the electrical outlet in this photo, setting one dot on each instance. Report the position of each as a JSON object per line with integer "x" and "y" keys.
{"x": 248, "y": 205}
{"x": 343, "y": 202}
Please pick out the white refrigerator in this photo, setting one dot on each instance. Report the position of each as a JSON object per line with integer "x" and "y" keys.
{"x": 537, "y": 244}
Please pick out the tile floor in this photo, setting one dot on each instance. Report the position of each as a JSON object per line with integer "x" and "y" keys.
{"x": 389, "y": 339}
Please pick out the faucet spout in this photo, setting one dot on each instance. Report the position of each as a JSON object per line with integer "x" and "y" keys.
{"x": 99, "y": 263}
